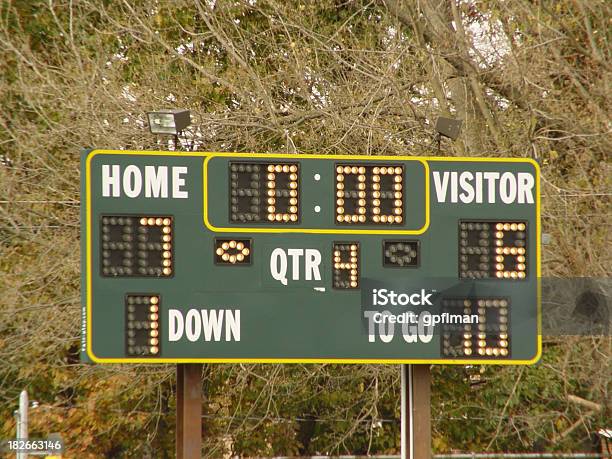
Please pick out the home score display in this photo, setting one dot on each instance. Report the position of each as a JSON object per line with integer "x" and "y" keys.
{"x": 234, "y": 257}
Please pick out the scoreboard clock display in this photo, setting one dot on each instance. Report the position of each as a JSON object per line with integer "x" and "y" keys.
{"x": 234, "y": 257}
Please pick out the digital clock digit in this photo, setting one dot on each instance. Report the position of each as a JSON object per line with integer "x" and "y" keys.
{"x": 264, "y": 192}
{"x": 367, "y": 194}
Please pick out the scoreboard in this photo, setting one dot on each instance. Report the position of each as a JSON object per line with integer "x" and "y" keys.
{"x": 236, "y": 257}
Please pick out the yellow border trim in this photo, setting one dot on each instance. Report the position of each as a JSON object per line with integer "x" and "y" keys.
{"x": 425, "y": 160}
{"x": 338, "y": 230}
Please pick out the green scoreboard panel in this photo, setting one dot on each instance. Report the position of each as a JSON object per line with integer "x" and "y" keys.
{"x": 233, "y": 257}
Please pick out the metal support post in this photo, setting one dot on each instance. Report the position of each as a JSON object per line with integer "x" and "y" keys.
{"x": 415, "y": 412}
{"x": 22, "y": 421}
{"x": 189, "y": 411}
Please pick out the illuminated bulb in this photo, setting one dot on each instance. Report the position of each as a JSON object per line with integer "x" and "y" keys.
{"x": 347, "y": 170}
{"x": 339, "y": 218}
{"x": 166, "y": 254}
{"x": 167, "y": 271}
{"x": 166, "y": 230}
{"x": 398, "y": 170}
{"x": 362, "y": 218}
{"x": 383, "y": 170}
{"x": 245, "y": 251}
{"x": 154, "y": 349}
{"x": 153, "y": 316}
{"x": 278, "y": 217}
{"x": 339, "y": 169}
{"x": 293, "y": 185}
{"x": 293, "y": 201}
{"x": 166, "y": 263}
{"x": 467, "y": 351}
{"x": 499, "y": 235}
{"x": 489, "y": 351}
{"x": 154, "y": 300}
{"x": 481, "y": 351}
{"x": 225, "y": 256}
{"x": 271, "y": 217}
{"x": 166, "y": 221}
{"x": 513, "y": 226}
{"x": 285, "y": 168}
{"x": 154, "y": 308}
{"x": 293, "y": 218}
{"x": 398, "y": 178}
{"x": 154, "y": 333}
{"x": 293, "y": 168}
{"x": 278, "y": 168}
{"x": 376, "y": 170}
{"x": 376, "y": 178}
{"x": 154, "y": 325}
{"x": 285, "y": 217}
{"x": 499, "y": 226}
{"x": 503, "y": 352}
{"x": 270, "y": 168}
{"x": 521, "y": 227}
{"x": 143, "y": 221}
{"x": 154, "y": 341}
{"x": 376, "y": 218}
{"x": 158, "y": 221}
{"x": 506, "y": 226}
{"x": 521, "y": 275}
{"x": 151, "y": 221}
{"x": 232, "y": 259}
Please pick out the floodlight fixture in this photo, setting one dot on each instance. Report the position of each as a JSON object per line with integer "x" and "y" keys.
{"x": 448, "y": 127}
{"x": 170, "y": 122}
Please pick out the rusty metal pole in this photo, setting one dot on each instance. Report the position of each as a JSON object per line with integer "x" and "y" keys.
{"x": 189, "y": 411}
{"x": 416, "y": 412}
